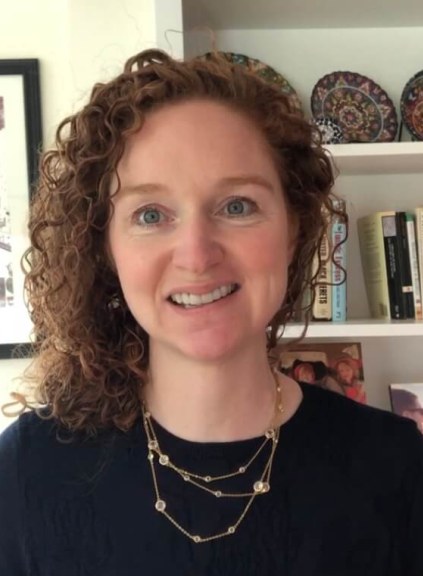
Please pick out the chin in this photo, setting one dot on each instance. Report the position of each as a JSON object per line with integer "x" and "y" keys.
{"x": 217, "y": 348}
{"x": 207, "y": 352}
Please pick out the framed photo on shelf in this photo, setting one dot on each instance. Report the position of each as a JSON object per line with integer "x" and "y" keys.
{"x": 336, "y": 366}
{"x": 20, "y": 143}
{"x": 407, "y": 401}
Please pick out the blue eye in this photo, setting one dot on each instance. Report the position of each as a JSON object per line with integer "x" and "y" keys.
{"x": 149, "y": 216}
{"x": 239, "y": 207}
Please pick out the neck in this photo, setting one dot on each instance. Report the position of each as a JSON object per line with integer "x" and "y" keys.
{"x": 206, "y": 402}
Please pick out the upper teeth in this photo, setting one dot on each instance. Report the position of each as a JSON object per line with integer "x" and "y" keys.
{"x": 197, "y": 299}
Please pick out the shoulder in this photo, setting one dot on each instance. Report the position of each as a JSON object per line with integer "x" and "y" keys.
{"x": 30, "y": 431}
{"x": 367, "y": 431}
{"x": 335, "y": 408}
{"x": 48, "y": 450}
{"x": 26, "y": 427}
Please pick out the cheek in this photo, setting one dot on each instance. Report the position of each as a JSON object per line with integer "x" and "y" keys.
{"x": 135, "y": 271}
{"x": 269, "y": 256}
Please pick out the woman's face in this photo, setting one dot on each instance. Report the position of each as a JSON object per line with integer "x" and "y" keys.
{"x": 345, "y": 372}
{"x": 200, "y": 235}
{"x": 306, "y": 373}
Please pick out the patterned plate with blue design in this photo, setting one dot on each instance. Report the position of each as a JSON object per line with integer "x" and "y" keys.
{"x": 267, "y": 73}
{"x": 412, "y": 105}
{"x": 360, "y": 107}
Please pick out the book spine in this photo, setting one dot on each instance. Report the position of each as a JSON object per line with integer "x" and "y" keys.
{"x": 339, "y": 266}
{"x": 322, "y": 305}
{"x": 414, "y": 265}
{"x": 419, "y": 242}
{"x": 372, "y": 252}
{"x": 404, "y": 265}
{"x": 396, "y": 303}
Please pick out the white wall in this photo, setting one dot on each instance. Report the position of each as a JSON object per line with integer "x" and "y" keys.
{"x": 78, "y": 43}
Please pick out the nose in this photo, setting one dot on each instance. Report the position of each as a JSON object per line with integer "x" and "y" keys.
{"x": 197, "y": 247}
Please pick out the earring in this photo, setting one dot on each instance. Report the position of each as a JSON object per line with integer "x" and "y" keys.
{"x": 114, "y": 303}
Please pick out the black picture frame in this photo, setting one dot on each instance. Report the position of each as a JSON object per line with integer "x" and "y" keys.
{"x": 20, "y": 98}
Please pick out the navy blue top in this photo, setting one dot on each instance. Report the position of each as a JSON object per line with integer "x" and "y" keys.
{"x": 346, "y": 499}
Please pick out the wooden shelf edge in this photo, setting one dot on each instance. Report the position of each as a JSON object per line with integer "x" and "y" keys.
{"x": 377, "y": 157}
{"x": 357, "y": 329}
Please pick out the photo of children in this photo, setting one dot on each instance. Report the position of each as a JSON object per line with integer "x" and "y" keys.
{"x": 336, "y": 366}
{"x": 407, "y": 401}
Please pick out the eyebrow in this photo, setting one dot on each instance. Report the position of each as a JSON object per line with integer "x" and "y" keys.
{"x": 247, "y": 180}
{"x": 224, "y": 184}
{"x": 145, "y": 188}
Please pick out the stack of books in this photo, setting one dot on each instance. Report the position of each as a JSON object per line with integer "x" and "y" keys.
{"x": 391, "y": 248}
{"x": 330, "y": 261}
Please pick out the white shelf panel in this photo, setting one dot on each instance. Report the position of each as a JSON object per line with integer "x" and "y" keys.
{"x": 357, "y": 329}
{"x": 378, "y": 157}
{"x": 271, "y": 14}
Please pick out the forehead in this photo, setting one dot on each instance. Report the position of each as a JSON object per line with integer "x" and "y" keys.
{"x": 202, "y": 135}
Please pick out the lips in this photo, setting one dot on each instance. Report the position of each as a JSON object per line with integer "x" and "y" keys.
{"x": 189, "y": 299}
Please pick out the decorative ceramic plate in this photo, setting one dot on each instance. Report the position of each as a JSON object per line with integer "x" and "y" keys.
{"x": 330, "y": 130}
{"x": 361, "y": 108}
{"x": 412, "y": 105}
{"x": 268, "y": 74}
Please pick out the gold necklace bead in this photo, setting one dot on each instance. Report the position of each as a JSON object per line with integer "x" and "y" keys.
{"x": 260, "y": 486}
{"x": 160, "y": 505}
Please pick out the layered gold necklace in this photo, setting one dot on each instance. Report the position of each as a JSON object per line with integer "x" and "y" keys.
{"x": 206, "y": 482}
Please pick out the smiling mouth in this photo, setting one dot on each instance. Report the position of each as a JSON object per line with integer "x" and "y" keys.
{"x": 188, "y": 300}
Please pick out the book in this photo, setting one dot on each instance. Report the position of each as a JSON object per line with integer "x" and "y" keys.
{"x": 414, "y": 265}
{"x": 392, "y": 258}
{"x": 322, "y": 305}
{"x": 407, "y": 401}
{"x": 336, "y": 366}
{"x": 373, "y": 262}
{"x": 405, "y": 265}
{"x": 339, "y": 263}
{"x": 419, "y": 243}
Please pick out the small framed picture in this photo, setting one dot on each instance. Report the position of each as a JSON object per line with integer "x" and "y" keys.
{"x": 407, "y": 401}
{"x": 336, "y": 366}
{"x": 20, "y": 144}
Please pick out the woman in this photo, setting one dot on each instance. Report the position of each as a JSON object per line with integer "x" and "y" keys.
{"x": 348, "y": 372}
{"x": 172, "y": 232}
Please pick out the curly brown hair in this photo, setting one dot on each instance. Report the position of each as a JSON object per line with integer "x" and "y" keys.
{"x": 91, "y": 354}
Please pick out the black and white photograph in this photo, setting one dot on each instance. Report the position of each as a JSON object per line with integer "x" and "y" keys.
{"x": 407, "y": 401}
{"x": 20, "y": 143}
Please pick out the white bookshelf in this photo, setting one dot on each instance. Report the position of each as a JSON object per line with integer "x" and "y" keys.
{"x": 304, "y": 40}
{"x": 379, "y": 158}
{"x": 365, "y": 328}
{"x": 302, "y": 14}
